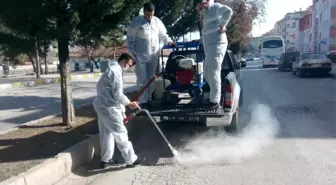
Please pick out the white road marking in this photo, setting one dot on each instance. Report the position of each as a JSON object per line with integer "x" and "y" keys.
{"x": 254, "y": 66}
{"x": 249, "y": 62}
{"x": 258, "y": 69}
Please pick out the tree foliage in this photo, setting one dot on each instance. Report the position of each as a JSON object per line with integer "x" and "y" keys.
{"x": 14, "y": 46}
{"x": 66, "y": 21}
{"x": 245, "y": 12}
{"x": 179, "y": 16}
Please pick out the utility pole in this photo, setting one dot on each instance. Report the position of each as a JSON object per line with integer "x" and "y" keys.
{"x": 259, "y": 30}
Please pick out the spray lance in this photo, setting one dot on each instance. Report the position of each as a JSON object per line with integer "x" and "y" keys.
{"x": 132, "y": 115}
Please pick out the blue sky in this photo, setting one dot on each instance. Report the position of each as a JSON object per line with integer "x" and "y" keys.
{"x": 276, "y": 9}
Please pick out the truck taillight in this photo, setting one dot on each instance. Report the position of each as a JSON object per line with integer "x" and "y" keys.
{"x": 228, "y": 96}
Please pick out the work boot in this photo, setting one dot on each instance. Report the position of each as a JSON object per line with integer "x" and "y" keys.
{"x": 111, "y": 162}
{"x": 136, "y": 162}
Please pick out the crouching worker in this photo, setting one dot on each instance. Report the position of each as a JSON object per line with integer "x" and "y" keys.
{"x": 110, "y": 106}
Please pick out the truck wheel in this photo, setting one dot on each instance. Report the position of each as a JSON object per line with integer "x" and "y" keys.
{"x": 233, "y": 127}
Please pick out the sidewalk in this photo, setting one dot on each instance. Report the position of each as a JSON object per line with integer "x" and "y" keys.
{"x": 29, "y": 81}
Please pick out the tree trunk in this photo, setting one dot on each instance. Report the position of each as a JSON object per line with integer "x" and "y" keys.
{"x": 67, "y": 107}
{"x": 199, "y": 25}
{"x": 45, "y": 58}
{"x": 38, "y": 66}
{"x": 32, "y": 61}
{"x": 41, "y": 68}
{"x": 45, "y": 65}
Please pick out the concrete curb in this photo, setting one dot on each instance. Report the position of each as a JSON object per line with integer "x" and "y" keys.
{"x": 55, "y": 169}
{"x": 46, "y": 81}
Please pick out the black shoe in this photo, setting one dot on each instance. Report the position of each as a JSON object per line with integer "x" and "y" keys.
{"x": 214, "y": 105}
{"x": 136, "y": 162}
{"x": 111, "y": 162}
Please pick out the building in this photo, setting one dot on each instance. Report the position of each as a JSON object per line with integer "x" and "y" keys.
{"x": 305, "y": 33}
{"x": 280, "y": 28}
{"x": 324, "y": 25}
{"x": 292, "y": 31}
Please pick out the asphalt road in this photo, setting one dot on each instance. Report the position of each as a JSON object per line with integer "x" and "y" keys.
{"x": 289, "y": 137}
{"x": 21, "y": 105}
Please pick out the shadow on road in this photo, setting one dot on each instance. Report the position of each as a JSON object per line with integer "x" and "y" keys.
{"x": 23, "y": 109}
{"x": 30, "y": 108}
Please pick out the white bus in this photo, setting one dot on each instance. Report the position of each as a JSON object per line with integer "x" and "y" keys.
{"x": 271, "y": 50}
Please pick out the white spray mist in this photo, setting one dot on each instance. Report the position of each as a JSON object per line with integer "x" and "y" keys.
{"x": 215, "y": 147}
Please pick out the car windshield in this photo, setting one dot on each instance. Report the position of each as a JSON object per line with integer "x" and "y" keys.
{"x": 313, "y": 56}
{"x": 272, "y": 44}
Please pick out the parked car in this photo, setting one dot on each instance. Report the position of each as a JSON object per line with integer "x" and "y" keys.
{"x": 311, "y": 63}
{"x": 332, "y": 56}
{"x": 250, "y": 58}
{"x": 286, "y": 61}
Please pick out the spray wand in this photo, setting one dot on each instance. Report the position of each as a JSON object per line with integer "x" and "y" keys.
{"x": 132, "y": 115}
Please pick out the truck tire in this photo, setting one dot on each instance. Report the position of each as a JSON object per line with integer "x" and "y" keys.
{"x": 233, "y": 127}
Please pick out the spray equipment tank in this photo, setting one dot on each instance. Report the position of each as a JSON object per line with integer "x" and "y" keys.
{"x": 186, "y": 63}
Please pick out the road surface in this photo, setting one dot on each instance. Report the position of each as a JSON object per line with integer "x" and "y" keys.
{"x": 21, "y": 105}
{"x": 293, "y": 144}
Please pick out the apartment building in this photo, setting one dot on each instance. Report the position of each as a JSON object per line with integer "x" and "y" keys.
{"x": 324, "y": 25}
{"x": 305, "y": 33}
{"x": 292, "y": 31}
{"x": 280, "y": 28}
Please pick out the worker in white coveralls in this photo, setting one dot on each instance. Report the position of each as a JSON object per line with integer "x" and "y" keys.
{"x": 110, "y": 106}
{"x": 215, "y": 18}
{"x": 143, "y": 40}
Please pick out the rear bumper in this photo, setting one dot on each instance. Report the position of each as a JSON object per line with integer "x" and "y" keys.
{"x": 287, "y": 65}
{"x": 223, "y": 121}
{"x": 188, "y": 112}
{"x": 316, "y": 69}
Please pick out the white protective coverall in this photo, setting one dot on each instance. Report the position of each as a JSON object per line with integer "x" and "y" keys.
{"x": 215, "y": 45}
{"x": 143, "y": 41}
{"x": 110, "y": 106}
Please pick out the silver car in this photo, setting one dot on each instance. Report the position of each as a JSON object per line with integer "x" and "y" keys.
{"x": 311, "y": 63}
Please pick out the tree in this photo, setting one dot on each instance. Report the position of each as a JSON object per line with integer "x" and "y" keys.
{"x": 179, "y": 16}
{"x": 13, "y": 46}
{"x": 104, "y": 46}
{"x": 66, "y": 21}
{"x": 245, "y": 12}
